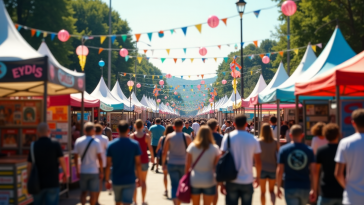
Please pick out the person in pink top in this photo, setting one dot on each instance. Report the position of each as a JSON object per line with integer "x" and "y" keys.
{"x": 144, "y": 142}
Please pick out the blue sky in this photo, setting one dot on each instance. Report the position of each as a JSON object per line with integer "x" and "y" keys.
{"x": 155, "y": 15}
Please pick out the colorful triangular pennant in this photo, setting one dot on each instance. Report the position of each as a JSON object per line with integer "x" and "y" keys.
{"x": 100, "y": 50}
{"x": 168, "y": 51}
{"x": 113, "y": 37}
{"x": 255, "y": 43}
{"x": 124, "y": 37}
{"x": 226, "y": 59}
{"x": 150, "y": 36}
{"x": 137, "y": 36}
{"x": 175, "y": 60}
{"x": 199, "y": 27}
{"x": 102, "y": 39}
{"x": 184, "y": 29}
{"x": 163, "y": 59}
{"x": 139, "y": 59}
{"x": 224, "y": 20}
{"x": 313, "y": 47}
{"x": 256, "y": 13}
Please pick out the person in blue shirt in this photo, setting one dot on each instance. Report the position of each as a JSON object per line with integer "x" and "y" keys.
{"x": 212, "y": 123}
{"x": 296, "y": 160}
{"x": 187, "y": 129}
{"x": 123, "y": 154}
{"x": 148, "y": 123}
{"x": 156, "y": 132}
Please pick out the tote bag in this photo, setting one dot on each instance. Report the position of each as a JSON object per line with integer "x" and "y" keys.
{"x": 33, "y": 184}
{"x": 225, "y": 169}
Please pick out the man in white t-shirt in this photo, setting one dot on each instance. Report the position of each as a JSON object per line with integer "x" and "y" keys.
{"x": 349, "y": 158}
{"x": 195, "y": 127}
{"x": 273, "y": 126}
{"x": 104, "y": 142}
{"x": 90, "y": 173}
{"x": 244, "y": 148}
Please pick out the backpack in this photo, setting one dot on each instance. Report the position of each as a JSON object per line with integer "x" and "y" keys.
{"x": 226, "y": 169}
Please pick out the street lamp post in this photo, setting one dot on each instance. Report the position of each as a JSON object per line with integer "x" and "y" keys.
{"x": 101, "y": 64}
{"x": 240, "y": 5}
{"x": 109, "y": 57}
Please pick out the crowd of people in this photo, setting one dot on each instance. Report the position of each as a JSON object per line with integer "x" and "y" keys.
{"x": 329, "y": 172}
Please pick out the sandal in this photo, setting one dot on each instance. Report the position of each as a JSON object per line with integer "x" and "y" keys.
{"x": 165, "y": 193}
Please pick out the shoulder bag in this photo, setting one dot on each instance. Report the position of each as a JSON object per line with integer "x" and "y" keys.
{"x": 184, "y": 186}
{"x": 33, "y": 184}
{"x": 225, "y": 168}
{"x": 88, "y": 145}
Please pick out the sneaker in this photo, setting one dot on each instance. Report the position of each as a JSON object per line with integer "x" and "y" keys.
{"x": 165, "y": 193}
{"x": 152, "y": 167}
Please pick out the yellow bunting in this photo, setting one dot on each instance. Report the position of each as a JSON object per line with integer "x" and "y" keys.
{"x": 45, "y": 34}
{"x": 251, "y": 72}
{"x": 255, "y": 43}
{"x": 217, "y": 83}
{"x": 130, "y": 88}
{"x": 199, "y": 27}
{"x": 82, "y": 60}
{"x": 168, "y": 51}
{"x": 215, "y": 59}
{"x": 100, "y": 50}
{"x": 139, "y": 59}
{"x": 296, "y": 51}
{"x": 134, "y": 75}
{"x": 205, "y": 86}
{"x": 102, "y": 39}
{"x": 184, "y": 90}
{"x": 152, "y": 76}
{"x": 313, "y": 48}
{"x": 191, "y": 89}
{"x": 281, "y": 53}
{"x": 189, "y": 76}
{"x": 191, "y": 60}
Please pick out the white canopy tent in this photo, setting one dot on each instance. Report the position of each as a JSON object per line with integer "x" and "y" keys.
{"x": 103, "y": 93}
{"x": 119, "y": 95}
{"x": 259, "y": 87}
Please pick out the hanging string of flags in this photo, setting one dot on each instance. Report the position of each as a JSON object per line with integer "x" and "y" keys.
{"x": 251, "y": 56}
{"x": 38, "y": 32}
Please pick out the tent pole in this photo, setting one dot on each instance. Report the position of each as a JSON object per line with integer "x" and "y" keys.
{"x": 278, "y": 120}
{"x": 258, "y": 122}
{"x": 255, "y": 119}
{"x": 297, "y": 111}
{"x": 338, "y": 105}
{"x": 45, "y": 96}
{"x": 82, "y": 112}
{"x": 92, "y": 115}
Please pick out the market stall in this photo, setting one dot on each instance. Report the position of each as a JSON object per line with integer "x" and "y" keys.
{"x": 25, "y": 73}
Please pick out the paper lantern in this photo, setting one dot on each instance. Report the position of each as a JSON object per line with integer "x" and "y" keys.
{"x": 63, "y": 35}
{"x": 175, "y": 92}
{"x": 138, "y": 85}
{"x": 168, "y": 76}
{"x": 165, "y": 97}
{"x": 202, "y": 82}
{"x": 167, "y": 104}
{"x": 198, "y": 86}
{"x": 186, "y": 96}
{"x": 159, "y": 100}
{"x": 236, "y": 46}
{"x": 289, "y": 7}
{"x": 213, "y": 21}
{"x": 101, "y": 63}
{"x": 265, "y": 59}
{"x": 161, "y": 34}
{"x": 223, "y": 82}
{"x": 235, "y": 74}
{"x": 82, "y": 51}
{"x": 202, "y": 51}
{"x": 211, "y": 100}
{"x": 130, "y": 83}
{"x": 123, "y": 52}
{"x": 161, "y": 82}
{"x": 204, "y": 95}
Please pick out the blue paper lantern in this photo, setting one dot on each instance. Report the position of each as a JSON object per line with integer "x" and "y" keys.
{"x": 161, "y": 34}
{"x": 101, "y": 63}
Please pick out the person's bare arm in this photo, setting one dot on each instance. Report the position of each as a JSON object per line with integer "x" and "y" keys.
{"x": 101, "y": 170}
{"x": 138, "y": 168}
{"x": 148, "y": 140}
{"x": 339, "y": 174}
{"x": 279, "y": 175}
{"x": 160, "y": 143}
{"x": 317, "y": 173}
{"x": 165, "y": 151}
{"x": 107, "y": 170}
{"x": 258, "y": 167}
{"x": 75, "y": 158}
{"x": 188, "y": 139}
{"x": 62, "y": 162}
{"x": 188, "y": 162}
{"x": 313, "y": 192}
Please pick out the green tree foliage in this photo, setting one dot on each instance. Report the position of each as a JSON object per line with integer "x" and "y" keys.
{"x": 49, "y": 16}
{"x": 254, "y": 65}
{"x": 315, "y": 22}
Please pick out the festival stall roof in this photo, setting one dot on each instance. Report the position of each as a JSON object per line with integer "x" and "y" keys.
{"x": 135, "y": 101}
{"x": 277, "y": 93}
{"x": 259, "y": 87}
{"x": 74, "y": 100}
{"x": 119, "y": 95}
{"x": 230, "y": 101}
{"x": 336, "y": 52}
{"x": 26, "y": 72}
{"x": 279, "y": 77}
{"x": 146, "y": 103}
{"x": 108, "y": 101}
{"x": 349, "y": 76}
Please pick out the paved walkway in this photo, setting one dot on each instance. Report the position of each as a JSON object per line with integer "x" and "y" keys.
{"x": 155, "y": 190}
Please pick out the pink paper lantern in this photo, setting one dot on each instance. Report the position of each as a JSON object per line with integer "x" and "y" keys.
{"x": 289, "y": 7}
{"x": 130, "y": 83}
{"x": 138, "y": 85}
{"x": 63, "y": 35}
{"x": 167, "y": 104}
{"x": 265, "y": 59}
{"x": 165, "y": 97}
{"x": 186, "y": 96}
{"x": 168, "y": 76}
{"x": 202, "y": 51}
{"x": 123, "y": 52}
{"x": 82, "y": 51}
{"x": 204, "y": 95}
{"x": 223, "y": 82}
{"x": 159, "y": 100}
{"x": 211, "y": 100}
{"x": 235, "y": 74}
{"x": 202, "y": 82}
{"x": 161, "y": 82}
{"x": 175, "y": 92}
{"x": 198, "y": 86}
{"x": 213, "y": 21}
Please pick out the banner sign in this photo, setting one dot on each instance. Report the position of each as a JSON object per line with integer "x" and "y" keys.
{"x": 347, "y": 107}
{"x": 105, "y": 107}
{"x": 23, "y": 70}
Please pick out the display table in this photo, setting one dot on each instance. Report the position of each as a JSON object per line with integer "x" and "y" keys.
{"x": 13, "y": 180}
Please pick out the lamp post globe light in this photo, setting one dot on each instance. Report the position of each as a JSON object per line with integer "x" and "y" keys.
{"x": 101, "y": 64}
{"x": 240, "y": 6}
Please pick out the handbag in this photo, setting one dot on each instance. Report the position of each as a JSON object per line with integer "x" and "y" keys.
{"x": 225, "y": 168}
{"x": 88, "y": 145}
{"x": 184, "y": 186}
{"x": 33, "y": 184}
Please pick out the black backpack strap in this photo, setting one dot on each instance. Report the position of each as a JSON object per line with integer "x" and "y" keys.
{"x": 184, "y": 139}
{"x": 88, "y": 145}
{"x": 228, "y": 141}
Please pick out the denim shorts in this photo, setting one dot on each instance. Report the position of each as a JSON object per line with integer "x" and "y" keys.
{"x": 267, "y": 175}
{"x": 205, "y": 191}
{"x": 90, "y": 182}
{"x": 329, "y": 201}
{"x": 145, "y": 167}
{"x": 124, "y": 193}
{"x": 296, "y": 196}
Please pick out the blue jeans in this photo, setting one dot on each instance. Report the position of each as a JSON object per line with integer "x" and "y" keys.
{"x": 235, "y": 191}
{"x": 175, "y": 173}
{"x": 296, "y": 196}
{"x": 48, "y": 196}
{"x": 329, "y": 201}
